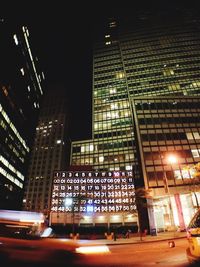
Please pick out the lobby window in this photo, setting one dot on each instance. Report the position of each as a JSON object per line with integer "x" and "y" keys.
{"x": 185, "y": 174}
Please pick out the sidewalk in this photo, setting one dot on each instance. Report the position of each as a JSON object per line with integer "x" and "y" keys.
{"x": 132, "y": 240}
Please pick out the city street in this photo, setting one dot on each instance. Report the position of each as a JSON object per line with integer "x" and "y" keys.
{"x": 143, "y": 254}
{"x": 138, "y": 254}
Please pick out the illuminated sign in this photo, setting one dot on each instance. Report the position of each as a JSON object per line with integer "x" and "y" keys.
{"x": 92, "y": 192}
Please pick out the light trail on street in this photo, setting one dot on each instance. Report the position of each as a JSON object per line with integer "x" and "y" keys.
{"x": 143, "y": 255}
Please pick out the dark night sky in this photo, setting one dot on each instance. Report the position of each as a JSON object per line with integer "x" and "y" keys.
{"x": 63, "y": 34}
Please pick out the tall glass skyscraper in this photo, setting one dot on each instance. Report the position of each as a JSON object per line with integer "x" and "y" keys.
{"x": 148, "y": 56}
{"x": 21, "y": 90}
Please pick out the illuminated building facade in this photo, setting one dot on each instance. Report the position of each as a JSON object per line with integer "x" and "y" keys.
{"x": 148, "y": 56}
{"x": 49, "y": 149}
{"x": 21, "y": 90}
{"x": 169, "y": 127}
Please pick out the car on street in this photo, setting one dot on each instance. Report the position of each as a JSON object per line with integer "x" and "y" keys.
{"x": 25, "y": 242}
{"x": 193, "y": 236}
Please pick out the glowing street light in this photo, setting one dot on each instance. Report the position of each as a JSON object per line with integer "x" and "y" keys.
{"x": 172, "y": 159}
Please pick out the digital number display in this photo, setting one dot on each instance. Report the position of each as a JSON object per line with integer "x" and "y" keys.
{"x": 93, "y": 192}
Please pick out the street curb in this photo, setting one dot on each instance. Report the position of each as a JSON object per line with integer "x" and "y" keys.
{"x": 143, "y": 241}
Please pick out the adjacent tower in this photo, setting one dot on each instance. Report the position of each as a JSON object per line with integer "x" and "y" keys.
{"x": 21, "y": 91}
{"x": 49, "y": 151}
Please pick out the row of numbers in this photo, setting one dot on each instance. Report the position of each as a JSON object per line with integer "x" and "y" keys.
{"x": 61, "y": 174}
{"x": 91, "y": 187}
{"x": 93, "y": 181}
{"x": 108, "y": 208}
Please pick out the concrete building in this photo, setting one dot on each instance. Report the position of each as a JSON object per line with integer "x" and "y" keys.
{"x": 21, "y": 90}
{"x": 168, "y": 134}
{"x": 49, "y": 149}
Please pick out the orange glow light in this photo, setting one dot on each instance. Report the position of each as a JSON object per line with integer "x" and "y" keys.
{"x": 93, "y": 249}
{"x": 172, "y": 159}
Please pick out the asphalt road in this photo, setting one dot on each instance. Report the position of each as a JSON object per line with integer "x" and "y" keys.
{"x": 142, "y": 255}
{"x": 130, "y": 255}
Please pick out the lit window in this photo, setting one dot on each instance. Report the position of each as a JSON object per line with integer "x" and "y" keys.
{"x": 27, "y": 32}
{"x": 174, "y": 86}
{"x": 195, "y": 84}
{"x": 195, "y": 153}
{"x": 29, "y": 89}
{"x": 114, "y": 106}
{"x": 196, "y": 135}
{"x": 168, "y": 72}
{"x": 101, "y": 159}
{"x": 22, "y": 71}
{"x": 108, "y": 43}
{"x": 15, "y": 39}
{"x": 189, "y": 136}
{"x": 128, "y": 167}
{"x": 58, "y": 141}
{"x": 112, "y": 24}
{"x": 107, "y": 35}
{"x": 186, "y": 174}
{"x": 5, "y": 91}
{"x": 120, "y": 75}
{"x": 113, "y": 91}
{"x": 13, "y": 128}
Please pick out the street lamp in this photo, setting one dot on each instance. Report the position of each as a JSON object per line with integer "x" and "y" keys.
{"x": 171, "y": 159}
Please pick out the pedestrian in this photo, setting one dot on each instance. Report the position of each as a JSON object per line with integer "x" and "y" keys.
{"x": 128, "y": 233}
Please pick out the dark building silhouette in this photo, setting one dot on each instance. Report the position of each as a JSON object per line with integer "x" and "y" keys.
{"x": 21, "y": 90}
